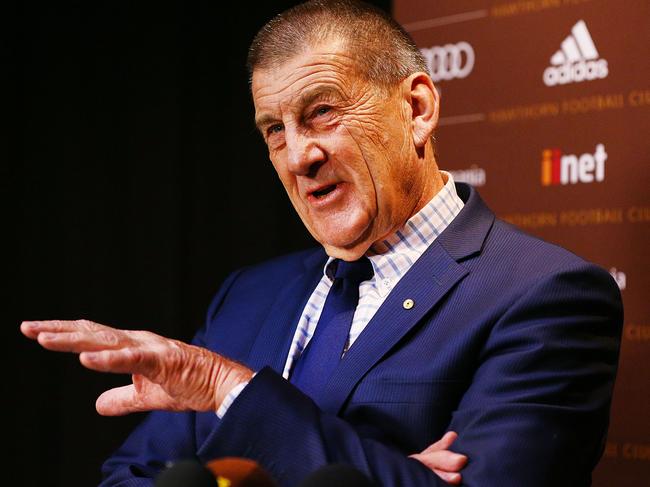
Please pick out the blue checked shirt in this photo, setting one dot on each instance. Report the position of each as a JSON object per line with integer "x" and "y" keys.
{"x": 390, "y": 258}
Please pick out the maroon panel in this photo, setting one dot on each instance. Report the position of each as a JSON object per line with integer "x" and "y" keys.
{"x": 546, "y": 108}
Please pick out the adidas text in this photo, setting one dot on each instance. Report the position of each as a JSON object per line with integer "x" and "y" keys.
{"x": 577, "y": 60}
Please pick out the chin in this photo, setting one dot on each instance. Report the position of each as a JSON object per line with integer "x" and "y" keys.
{"x": 350, "y": 246}
{"x": 348, "y": 254}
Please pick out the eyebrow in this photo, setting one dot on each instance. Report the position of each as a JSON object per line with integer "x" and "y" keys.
{"x": 327, "y": 93}
{"x": 305, "y": 99}
{"x": 263, "y": 121}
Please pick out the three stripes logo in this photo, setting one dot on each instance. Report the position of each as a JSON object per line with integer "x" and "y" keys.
{"x": 577, "y": 60}
{"x": 558, "y": 168}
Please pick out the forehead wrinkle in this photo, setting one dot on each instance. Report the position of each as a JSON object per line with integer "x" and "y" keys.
{"x": 328, "y": 87}
{"x": 337, "y": 62}
{"x": 324, "y": 53}
{"x": 298, "y": 76}
{"x": 329, "y": 63}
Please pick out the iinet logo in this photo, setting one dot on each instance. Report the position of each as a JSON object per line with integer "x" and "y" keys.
{"x": 577, "y": 60}
{"x": 558, "y": 168}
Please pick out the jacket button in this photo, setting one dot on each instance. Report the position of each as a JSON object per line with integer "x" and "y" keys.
{"x": 408, "y": 303}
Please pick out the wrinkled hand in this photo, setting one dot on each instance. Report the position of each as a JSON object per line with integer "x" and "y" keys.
{"x": 167, "y": 374}
{"x": 444, "y": 463}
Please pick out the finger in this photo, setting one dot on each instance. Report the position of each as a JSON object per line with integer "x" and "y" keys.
{"x": 452, "y": 478}
{"x": 126, "y": 400}
{"x": 129, "y": 360}
{"x": 83, "y": 340}
{"x": 33, "y": 329}
{"x": 117, "y": 402}
{"x": 443, "y": 443}
{"x": 442, "y": 460}
{"x": 29, "y": 329}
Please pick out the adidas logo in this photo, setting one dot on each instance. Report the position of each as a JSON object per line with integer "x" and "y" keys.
{"x": 577, "y": 60}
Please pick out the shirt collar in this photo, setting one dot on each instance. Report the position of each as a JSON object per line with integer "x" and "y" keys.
{"x": 392, "y": 257}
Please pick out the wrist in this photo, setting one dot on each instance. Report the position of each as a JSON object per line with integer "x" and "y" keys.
{"x": 230, "y": 375}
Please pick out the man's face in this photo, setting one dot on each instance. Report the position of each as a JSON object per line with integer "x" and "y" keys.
{"x": 342, "y": 148}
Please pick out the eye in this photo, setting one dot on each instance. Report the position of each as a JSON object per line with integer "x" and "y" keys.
{"x": 274, "y": 129}
{"x": 322, "y": 110}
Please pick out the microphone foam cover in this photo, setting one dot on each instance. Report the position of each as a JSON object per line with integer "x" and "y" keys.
{"x": 185, "y": 473}
{"x": 241, "y": 472}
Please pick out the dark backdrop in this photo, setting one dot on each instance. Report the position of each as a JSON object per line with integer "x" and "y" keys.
{"x": 135, "y": 183}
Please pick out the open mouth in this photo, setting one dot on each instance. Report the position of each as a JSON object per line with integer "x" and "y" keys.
{"x": 324, "y": 191}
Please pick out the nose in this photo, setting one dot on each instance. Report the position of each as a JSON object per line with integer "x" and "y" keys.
{"x": 304, "y": 154}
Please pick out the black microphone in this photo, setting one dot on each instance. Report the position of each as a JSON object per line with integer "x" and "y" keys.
{"x": 186, "y": 473}
{"x": 337, "y": 474}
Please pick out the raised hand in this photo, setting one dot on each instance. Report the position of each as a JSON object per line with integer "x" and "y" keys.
{"x": 167, "y": 374}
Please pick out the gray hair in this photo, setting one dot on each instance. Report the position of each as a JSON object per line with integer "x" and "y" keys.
{"x": 384, "y": 53}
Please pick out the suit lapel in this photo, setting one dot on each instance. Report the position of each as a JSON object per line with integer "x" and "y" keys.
{"x": 433, "y": 275}
{"x": 272, "y": 344}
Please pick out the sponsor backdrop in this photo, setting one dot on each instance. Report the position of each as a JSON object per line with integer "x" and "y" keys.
{"x": 545, "y": 108}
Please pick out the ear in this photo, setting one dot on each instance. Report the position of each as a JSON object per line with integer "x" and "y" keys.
{"x": 424, "y": 101}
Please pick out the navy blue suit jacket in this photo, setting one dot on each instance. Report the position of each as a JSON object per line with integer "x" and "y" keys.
{"x": 512, "y": 342}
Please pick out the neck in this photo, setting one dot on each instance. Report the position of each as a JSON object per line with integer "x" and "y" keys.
{"x": 432, "y": 180}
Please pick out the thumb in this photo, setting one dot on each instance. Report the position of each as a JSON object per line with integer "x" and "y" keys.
{"x": 443, "y": 443}
{"x": 126, "y": 399}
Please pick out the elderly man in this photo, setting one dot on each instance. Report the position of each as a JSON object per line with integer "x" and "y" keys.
{"x": 420, "y": 314}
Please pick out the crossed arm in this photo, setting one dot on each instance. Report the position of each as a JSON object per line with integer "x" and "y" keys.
{"x": 535, "y": 412}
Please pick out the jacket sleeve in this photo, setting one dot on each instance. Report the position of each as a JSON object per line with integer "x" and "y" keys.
{"x": 161, "y": 437}
{"x": 537, "y": 410}
{"x": 535, "y": 413}
{"x": 282, "y": 429}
